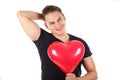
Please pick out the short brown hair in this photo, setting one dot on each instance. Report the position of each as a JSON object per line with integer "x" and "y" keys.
{"x": 50, "y": 8}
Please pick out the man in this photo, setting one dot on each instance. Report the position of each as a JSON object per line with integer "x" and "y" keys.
{"x": 54, "y": 21}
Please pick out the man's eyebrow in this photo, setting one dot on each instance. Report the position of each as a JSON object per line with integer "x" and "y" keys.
{"x": 58, "y": 18}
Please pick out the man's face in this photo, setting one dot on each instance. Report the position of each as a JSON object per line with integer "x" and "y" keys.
{"x": 55, "y": 21}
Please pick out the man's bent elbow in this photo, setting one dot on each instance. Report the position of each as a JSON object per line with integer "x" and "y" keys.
{"x": 20, "y": 14}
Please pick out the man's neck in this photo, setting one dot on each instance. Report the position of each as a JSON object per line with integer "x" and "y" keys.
{"x": 63, "y": 37}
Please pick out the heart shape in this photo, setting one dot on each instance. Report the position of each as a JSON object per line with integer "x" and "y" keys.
{"x": 66, "y": 55}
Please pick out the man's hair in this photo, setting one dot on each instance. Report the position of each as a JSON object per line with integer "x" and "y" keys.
{"x": 50, "y": 8}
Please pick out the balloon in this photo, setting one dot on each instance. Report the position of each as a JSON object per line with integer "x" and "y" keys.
{"x": 66, "y": 55}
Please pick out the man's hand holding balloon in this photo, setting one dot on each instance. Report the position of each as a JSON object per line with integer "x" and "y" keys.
{"x": 70, "y": 76}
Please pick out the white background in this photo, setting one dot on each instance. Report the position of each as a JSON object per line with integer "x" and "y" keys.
{"x": 96, "y": 21}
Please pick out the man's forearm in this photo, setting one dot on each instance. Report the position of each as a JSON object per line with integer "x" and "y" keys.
{"x": 89, "y": 76}
{"x": 31, "y": 15}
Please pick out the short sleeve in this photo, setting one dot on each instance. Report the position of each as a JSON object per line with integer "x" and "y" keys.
{"x": 87, "y": 50}
{"x": 43, "y": 37}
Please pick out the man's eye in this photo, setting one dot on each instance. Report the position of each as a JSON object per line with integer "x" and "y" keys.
{"x": 51, "y": 23}
{"x": 59, "y": 19}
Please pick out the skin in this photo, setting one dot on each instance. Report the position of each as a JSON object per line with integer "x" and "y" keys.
{"x": 55, "y": 22}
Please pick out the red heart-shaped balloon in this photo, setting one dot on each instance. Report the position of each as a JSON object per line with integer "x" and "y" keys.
{"x": 66, "y": 55}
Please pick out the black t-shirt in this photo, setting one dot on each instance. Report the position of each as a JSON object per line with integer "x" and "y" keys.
{"x": 50, "y": 71}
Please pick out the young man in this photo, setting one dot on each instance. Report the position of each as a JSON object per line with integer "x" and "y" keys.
{"x": 54, "y": 21}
